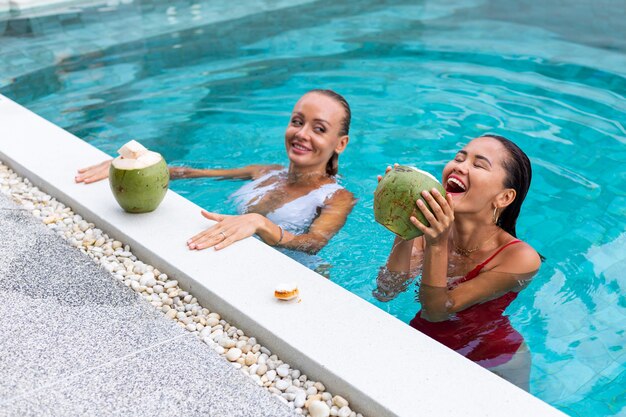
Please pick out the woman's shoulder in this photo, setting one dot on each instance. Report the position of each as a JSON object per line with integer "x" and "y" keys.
{"x": 337, "y": 194}
{"x": 260, "y": 171}
{"x": 518, "y": 257}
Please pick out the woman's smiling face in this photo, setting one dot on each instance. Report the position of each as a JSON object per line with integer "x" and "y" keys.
{"x": 476, "y": 175}
{"x": 313, "y": 134}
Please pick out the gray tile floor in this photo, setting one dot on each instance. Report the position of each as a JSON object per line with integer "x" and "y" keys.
{"x": 75, "y": 342}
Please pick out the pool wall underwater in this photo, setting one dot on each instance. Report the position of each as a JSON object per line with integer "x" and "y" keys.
{"x": 382, "y": 365}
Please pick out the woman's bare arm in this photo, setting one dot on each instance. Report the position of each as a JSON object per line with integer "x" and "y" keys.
{"x": 244, "y": 173}
{"x": 100, "y": 171}
{"x": 514, "y": 269}
{"x": 324, "y": 227}
{"x": 403, "y": 265}
{"x": 230, "y": 229}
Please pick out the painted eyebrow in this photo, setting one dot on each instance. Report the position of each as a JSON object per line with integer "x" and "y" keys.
{"x": 477, "y": 157}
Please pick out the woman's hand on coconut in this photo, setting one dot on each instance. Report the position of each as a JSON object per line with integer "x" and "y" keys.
{"x": 440, "y": 219}
{"x": 93, "y": 173}
{"x": 228, "y": 230}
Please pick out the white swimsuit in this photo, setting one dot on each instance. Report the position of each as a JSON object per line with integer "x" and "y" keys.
{"x": 296, "y": 216}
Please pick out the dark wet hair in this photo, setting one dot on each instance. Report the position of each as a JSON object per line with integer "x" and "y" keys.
{"x": 332, "y": 167}
{"x": 518, "y": 177}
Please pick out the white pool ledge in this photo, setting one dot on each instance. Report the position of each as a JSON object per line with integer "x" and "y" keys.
{"x": 380, "y": 364}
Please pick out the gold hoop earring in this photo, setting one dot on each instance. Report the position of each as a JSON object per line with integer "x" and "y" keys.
{"x": 495, "y": 215}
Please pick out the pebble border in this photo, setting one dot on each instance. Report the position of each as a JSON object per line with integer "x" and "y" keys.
{"x": 289, "y": 385}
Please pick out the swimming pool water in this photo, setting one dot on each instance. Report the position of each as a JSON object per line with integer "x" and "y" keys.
{"x": 210, "y": 85}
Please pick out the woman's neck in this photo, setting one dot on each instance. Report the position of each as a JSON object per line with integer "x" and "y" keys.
{"x": 299, "y": 175}
{"x": 472, "y": 235}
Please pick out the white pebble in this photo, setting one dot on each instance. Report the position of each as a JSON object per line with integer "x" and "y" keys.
{"x": 253, "y": 368}
{"x": 250, "y": 359}
{"x": 319, "y": 409}
{"x": 282, "y": 384}
{"x": 300, "y": 399}
{"x": 227, "y": 343}
{"x": 339, "y": 401}
{"x": 283, "y": 370}
{"x": 261, "y": 369}
{"x": 147, "y": 279}
{"x": 344, "y": 411}
{"x": 271, "y": 374}
{"x": 233, "y": 354}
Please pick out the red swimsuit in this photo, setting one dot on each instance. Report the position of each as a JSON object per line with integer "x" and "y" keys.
{"x": 481, "y": 332}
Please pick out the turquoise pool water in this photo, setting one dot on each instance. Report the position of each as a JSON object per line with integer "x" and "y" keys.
{"x": 209, "y": 85}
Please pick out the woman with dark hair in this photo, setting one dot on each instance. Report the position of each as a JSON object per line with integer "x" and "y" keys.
{"x": 299, "y": 207}
{"x": 471, "y": 263}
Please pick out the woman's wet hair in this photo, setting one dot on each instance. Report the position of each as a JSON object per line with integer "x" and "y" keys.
{"x": 332, "y": 167}
{"x": 518, "y": 177}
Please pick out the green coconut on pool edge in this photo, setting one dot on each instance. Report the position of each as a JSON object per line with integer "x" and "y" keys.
{"x": 139, "y": 178}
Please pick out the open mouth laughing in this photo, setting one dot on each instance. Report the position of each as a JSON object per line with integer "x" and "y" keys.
{"x": 455, "y": 185}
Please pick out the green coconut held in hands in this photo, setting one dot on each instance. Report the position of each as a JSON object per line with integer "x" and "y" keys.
{"x": 139, "y": 178}
{"x": 395, "y": 198}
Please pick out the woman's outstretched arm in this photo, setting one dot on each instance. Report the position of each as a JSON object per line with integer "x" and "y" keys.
{"x": 230, "y": 229}
{"x": 100, "y": 171}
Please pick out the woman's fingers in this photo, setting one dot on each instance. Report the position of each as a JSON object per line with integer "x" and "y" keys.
{"x": 434, "y": 205}
{"x": 206, "y": 239}
{"x": 430, "y": 217}
{"x": 450, "y": 203}
{"x": 211, "y": 231}
{"x": 421, "y": 226}
{"x": 229, "y": 229}
{"x": 93, "y": 173}
{"x": 90, "y": 177}
{"x": 229, "y": 240}
{"x": 213, "y": 216}
{"x": 216, "y": 239}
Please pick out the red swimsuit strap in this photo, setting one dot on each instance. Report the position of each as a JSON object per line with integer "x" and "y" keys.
{"x": 474, "y": 272}
{"x": 503, "y": 247}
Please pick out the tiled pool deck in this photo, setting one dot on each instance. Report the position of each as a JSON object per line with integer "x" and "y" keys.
{"x": 76, "y": 342}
